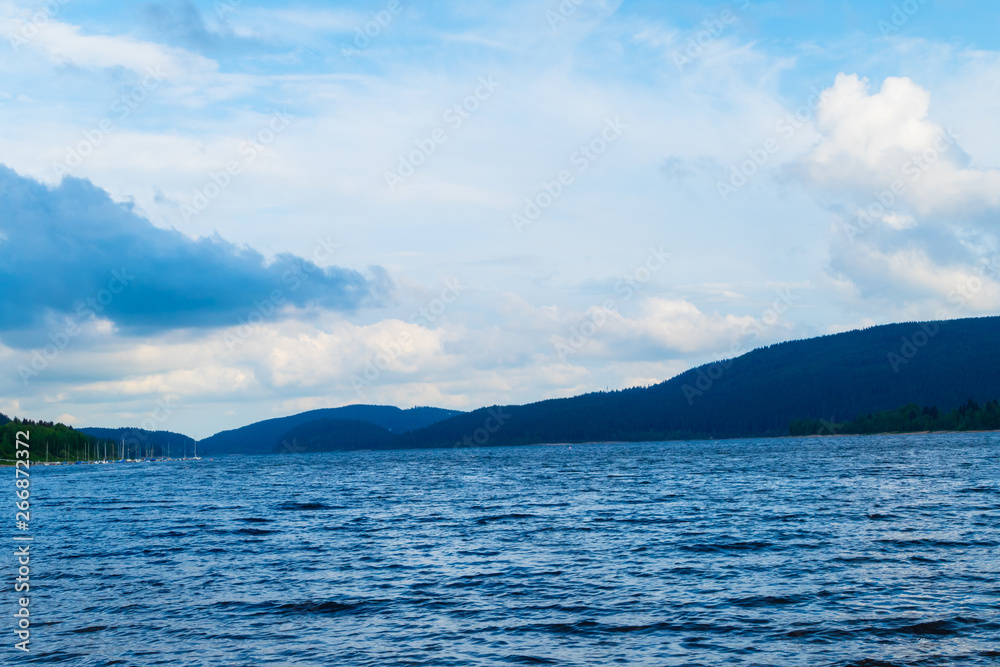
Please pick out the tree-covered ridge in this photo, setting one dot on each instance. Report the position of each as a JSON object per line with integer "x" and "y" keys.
{"x": 758, "y": 394}
{"x": 3, "y": 419}
{"x": 908, "y": 419}
{"x": 62, "y": 442}
{"x": 260, "y": 437}
{"x": 762, "y": 392}
{"x": 330, "y": 435}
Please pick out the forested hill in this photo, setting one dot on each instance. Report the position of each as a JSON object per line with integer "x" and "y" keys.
{"x": 328, "y": 435}
{"x": 835, "y": 377}
{"x": 263, "y": 437}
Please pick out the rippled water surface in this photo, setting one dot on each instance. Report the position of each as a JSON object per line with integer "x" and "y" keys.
{"x": 835, "y": 551}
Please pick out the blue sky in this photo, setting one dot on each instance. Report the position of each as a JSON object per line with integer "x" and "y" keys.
{"x": 240, "y": 210}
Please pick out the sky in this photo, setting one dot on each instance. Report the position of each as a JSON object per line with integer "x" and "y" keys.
{"x": 213, "y": 213}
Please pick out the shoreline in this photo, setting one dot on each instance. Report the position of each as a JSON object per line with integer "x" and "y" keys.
{"x": 753, "y": 437}
{"x": 9, "y": 463}
{"x": 861, "y": 435}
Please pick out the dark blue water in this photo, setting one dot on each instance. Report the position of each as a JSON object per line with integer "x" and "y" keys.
{"x": 837, "y": 551}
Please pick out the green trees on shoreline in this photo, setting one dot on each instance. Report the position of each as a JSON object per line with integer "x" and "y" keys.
{"x": 908, "y": 419}
{"x": 63, "y": 442}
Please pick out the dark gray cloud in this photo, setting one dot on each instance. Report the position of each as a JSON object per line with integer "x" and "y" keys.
{"x": 72, "y": 251}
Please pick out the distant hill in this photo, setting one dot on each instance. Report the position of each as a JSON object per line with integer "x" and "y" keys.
{"x": 761, "y": 393}
{"x": 3, "y": 419}
{"x": 137, "y": 440}
{"x": 837, "y": 377}
{"x": 330, "y": 435}
{"x": 262, "y": 437}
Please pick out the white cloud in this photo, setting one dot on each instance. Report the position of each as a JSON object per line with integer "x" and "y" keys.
{"x": 899, "y": 221}
{"x": 881, "y": 148}
{"x": 910, "y": 276}
{"x": 872, "y": 129}
{"x": 65, "y": 44}
{"x": 680, "y": 326}
{"x": 662, "y": 328}
{"x": 918, "y": 216}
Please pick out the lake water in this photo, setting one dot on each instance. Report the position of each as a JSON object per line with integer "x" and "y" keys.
{"x": 836, "y": 551}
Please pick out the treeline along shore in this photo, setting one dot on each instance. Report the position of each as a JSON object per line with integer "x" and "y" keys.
{"x": 51, "y": 442}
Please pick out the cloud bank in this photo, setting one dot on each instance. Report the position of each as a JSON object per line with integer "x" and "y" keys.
{"x": 70, "y": 251}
